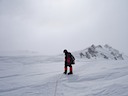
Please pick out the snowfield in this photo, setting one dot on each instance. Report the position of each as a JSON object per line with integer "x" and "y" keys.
{"x": 43, "y": 76}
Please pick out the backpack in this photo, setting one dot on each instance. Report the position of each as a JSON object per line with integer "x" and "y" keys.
{"x": 72, "y": 59}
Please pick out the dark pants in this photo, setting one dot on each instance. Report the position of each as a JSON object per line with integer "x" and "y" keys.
{"x": 65, "y": 68}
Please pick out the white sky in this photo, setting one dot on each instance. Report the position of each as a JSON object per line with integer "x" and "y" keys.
{"x": 49, "y": 26}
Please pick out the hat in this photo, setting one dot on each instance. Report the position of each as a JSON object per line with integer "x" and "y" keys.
{"x": 65, "y": 51}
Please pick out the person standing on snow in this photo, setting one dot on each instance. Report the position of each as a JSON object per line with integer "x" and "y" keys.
{"x": 69, "y": 60}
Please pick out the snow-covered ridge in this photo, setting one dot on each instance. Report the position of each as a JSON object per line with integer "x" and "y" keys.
{"x": 30, "y": 59}
{"x": 19, "y": 53}
{"x": 100, "y": 52}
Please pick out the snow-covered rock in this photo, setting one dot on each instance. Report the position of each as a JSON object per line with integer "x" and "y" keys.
{"x": 100, "y": 52}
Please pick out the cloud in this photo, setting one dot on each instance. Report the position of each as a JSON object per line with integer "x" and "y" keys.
{"x": 45, "y": 25}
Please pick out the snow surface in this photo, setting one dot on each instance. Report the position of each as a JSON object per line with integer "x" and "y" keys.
{"x": 42, "y": 76}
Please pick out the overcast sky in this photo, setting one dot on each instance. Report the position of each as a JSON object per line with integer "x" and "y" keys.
{"x": 49, "y": 26}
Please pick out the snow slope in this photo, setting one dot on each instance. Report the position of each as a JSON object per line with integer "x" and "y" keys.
{"x": 42, "y": 76}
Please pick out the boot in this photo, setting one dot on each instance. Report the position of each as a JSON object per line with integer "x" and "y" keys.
{"x": 65, "y": 70}
{"x": 70, "y": 71}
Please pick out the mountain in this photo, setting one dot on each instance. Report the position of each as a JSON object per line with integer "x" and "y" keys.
{"x": 43, "y": 75}
{"x": 100, "y": 52}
